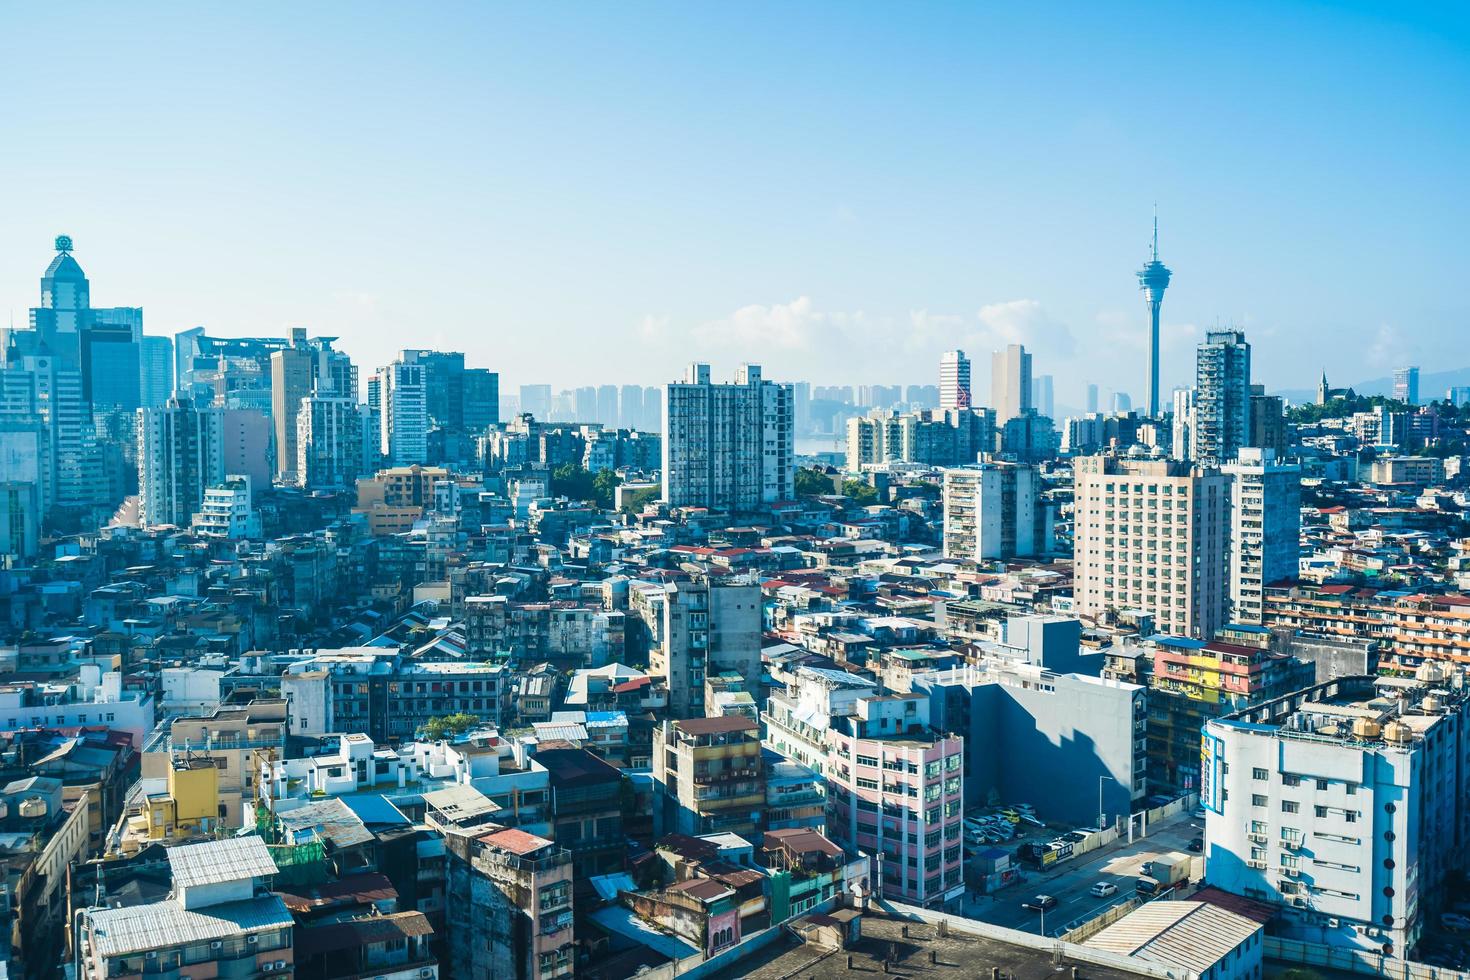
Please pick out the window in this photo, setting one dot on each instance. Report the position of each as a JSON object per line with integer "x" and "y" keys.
{"x": 1321, "y": 812}
{"x": 1288, "y": 779}
{"x": 1290, "y": 806}
{"x": 1260, "y": 774}
{"x": 1321, "y": 784}
{"x": 1258, "y": 800}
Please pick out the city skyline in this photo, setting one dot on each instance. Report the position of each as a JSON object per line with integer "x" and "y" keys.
{"x": 729, "y": 219}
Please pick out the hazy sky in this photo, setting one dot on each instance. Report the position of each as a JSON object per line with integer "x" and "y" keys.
{"x": 582, "y": 193}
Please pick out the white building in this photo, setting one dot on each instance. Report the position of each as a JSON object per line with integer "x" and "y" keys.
{"x": 180, "y": 453}
{"x": 1010, "y": 383}
{"x": 1343, "y": 803}
{"x": 954, "y": 380}
{"x": 333, "y": 439}
{"x": 1151, "y": 534}
{"x": 227, "y": 511}
{"x": 728, "y": 447}
{"x": 994, "y": 510}
{"x": 698, "y": 630}
{"x": 1265, "y": 528}
{"x": 1222, "y": 397}
{"x": 1183, "y": 424}
{"x": 404, "y": 414}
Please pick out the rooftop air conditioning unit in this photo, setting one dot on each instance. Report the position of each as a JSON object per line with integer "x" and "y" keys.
{"x": 280, "y": 964}
{"x": 252, "y": 940}
{"x": 217, "y": 944}
{"x": 1332, "y": 923}
{"x": 1290, "y": 872}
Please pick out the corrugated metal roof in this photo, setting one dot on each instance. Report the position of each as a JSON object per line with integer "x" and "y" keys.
{"x": 1188, "y": 935}
{"x": 220, "y": 860}
{"x": 330, "y": 819}
{"x": 118, "y": 932}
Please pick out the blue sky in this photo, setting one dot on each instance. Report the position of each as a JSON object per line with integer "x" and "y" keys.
{"x": 580, "y": 193}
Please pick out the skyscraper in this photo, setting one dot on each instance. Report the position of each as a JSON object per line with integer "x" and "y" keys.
{"x": 536, "y": 400}
{"x": 1406, "y": 385}
{"x": 954, "y": 380}
{"x": 1180, "y": 447}
{"x": 155, "y": 371}
{"x": 994, "y": 510}
{"x": 630, "y": 407}
{"x": 1043, "y": 396}
{"x": 653, "y": 409}
{"x": 607, "y": 406}
{"x": 297, "y": 371}
{"x": 1091, "y": 398}
{"x": 1222, "y": 397}
{"x": 1010, "y": 382}
{"x": 1153, "y": 279}
{"x": 728, "y": 447}
{"x": 332, "y": 435}
{"x": 1265, "y": 528}
{"x": 403, "y": 415}
{"x": 180, "y": 454}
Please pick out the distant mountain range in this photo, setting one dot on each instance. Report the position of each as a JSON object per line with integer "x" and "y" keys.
{"x": 1432, "y": 387}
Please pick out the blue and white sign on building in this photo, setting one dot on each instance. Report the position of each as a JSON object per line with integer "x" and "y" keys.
{"x": 1211, "y": 769}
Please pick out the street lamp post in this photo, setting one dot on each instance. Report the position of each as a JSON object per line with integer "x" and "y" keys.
{"x": 1101, "y": 815}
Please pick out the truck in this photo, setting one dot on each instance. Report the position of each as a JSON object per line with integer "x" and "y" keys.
{"x": 1163, "y": 874}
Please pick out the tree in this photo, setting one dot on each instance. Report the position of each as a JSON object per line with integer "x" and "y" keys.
{"x": 571, "y": 480}
{"x": 861, "y": 493}
{"x": 447, "y": 726}
{"x": 603, "y": 486}
{"x": 812, "y": 482}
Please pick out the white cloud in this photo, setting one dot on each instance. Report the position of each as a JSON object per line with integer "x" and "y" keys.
{"x": 1025, "y": 321}
{"x": 793, "y": 326}
{"x": 1388, "y": 348}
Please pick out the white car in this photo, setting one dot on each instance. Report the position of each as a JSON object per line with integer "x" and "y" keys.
{"x": 1104, "y": 889}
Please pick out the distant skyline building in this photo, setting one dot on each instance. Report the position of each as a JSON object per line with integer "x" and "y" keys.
{"x": 1010, "y": 382}
{"x": 1043, "y": 395}
{"x": 155, "y": 371}
{"x": 1406, "y": 385}
{"x": 1222, "y": 397}
{"x": 728, "y": 447}
{"x": 954, "y": 380}
{"x": 1153, "y": 279}
{"x": 1091, "y": 398}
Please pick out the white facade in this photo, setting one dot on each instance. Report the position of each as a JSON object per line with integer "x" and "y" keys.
{"x": 404, "y": 414}
{"x": 994, "y": 510}
{"x": 1180, "y": 446}
{"x": 227, "y": 511}
{"x": 954, "y": 380}
{"x": 1151, "y": 534}
{"x": 180, "y": 453}
{"x": 1265, "y": 528}
{"x": 728, "y": 447}
{"x": 330, "y": 441}
{"x": 1343, "y": 803}
{"x": 1010, "y": 383}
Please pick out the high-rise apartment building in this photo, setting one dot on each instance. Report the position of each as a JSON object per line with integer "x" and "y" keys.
{"x": 1091, "y": 398}
{"x": 1268, "y": 421}
{"x": 695, "y": 630}
{"x": 994, "y": 510}
{"x": 1222, "y": 397}
{"x": 630, "y": 407}
{"x": 1265, "y": 528}
{"x": 1010, "y": 382}
{"x": 536, "y": 400}
{"x": 607, "y": 406}
{"x": 1151, "y": 534}
{"x": 156, "y": 371}
{"x": 77, "y": 482}
{"x": 927, "y": 437}
{"x": 954, "y": 380}
{"x": 404, "y": 416}
{"x": 335, "y": 442}
{"x": 728, "y": 447}
{"x": 297, "y": 371}
{"x": 1406, "y": 385}
{"x": 653, "y": 409}
{"x": 180, "y": 454}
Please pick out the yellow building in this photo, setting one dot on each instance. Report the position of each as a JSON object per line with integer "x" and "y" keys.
{"x": 190, "y": 806}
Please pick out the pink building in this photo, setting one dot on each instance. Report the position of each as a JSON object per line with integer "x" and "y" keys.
{"x": 897, "y": 791}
